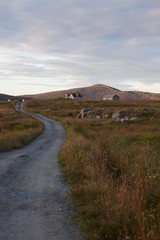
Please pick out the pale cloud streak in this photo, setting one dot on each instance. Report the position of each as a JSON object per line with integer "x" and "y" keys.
{"x": 75, "y": 43}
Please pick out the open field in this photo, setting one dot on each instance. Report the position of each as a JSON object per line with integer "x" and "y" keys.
{"x": 16, "y": 129}
{"x": 113, "y": 168}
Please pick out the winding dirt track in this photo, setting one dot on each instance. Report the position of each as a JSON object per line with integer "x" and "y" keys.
{"x": 33, "y": 196}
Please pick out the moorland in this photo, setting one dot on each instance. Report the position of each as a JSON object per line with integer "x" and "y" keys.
{"x": 16, "y": 129}
{"x": 113, "y": 168}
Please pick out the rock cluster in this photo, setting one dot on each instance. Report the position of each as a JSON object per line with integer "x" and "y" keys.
{"x": 120, "y": 116}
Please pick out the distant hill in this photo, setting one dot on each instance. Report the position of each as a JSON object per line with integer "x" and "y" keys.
{"x": 96, "y": 92}
{"x": 5, "y": 97}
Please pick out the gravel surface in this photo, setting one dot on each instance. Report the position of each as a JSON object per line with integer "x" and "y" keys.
{"x": 33, "y": 195}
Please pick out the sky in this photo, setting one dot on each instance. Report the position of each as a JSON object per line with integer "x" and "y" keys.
{"x": 50, "y": 45}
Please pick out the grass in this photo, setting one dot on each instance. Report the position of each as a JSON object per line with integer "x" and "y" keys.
{"x": 113, "y": 168}
{"x": 16, "y": 129}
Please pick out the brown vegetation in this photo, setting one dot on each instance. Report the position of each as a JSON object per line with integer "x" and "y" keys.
{"x": 113, "y": 168}
{"x": 16, "y": 129}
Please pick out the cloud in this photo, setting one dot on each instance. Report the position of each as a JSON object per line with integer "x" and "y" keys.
{"x": 82, "y": 42}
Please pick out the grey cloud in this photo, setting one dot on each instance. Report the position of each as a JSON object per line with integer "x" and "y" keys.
{"x": 99, "y": 40}
{"x": 37, "y": 84}
{"x": 66, "y": 25}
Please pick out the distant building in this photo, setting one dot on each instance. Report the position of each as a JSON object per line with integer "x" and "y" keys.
{"x": 111, "y": 97}
{"x": 75, "y": 95}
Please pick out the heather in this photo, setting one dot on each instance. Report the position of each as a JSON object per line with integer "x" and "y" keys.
{"x": 16, "y": 129}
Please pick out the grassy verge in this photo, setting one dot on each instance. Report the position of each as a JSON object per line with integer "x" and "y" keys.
{"x": 16, "y": 129}
{"x": 113, "y": 168}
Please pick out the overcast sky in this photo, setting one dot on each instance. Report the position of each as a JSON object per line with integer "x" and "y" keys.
{"x": 48, "y": 45}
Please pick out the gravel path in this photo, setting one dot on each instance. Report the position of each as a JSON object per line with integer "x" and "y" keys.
{"x": 33, "y": 196}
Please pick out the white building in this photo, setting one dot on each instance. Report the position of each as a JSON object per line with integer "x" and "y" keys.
{"x": 111, "y": 97}
{"x": 75, "y": 95}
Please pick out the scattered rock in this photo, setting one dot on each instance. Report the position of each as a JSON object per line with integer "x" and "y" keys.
{"x": 84, "y": 112}
{"x": 135, "y": 119}
{"x": 125, "y": 120}
{"x": 120, "y": 114}
{"x": 97, "y": 116}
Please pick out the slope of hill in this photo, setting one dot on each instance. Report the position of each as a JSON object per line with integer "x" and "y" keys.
{"x": 96, "y": 92}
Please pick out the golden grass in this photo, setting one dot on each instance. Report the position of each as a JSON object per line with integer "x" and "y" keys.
{"x": 113, "y": 168}
{"x": 16, "y": 129}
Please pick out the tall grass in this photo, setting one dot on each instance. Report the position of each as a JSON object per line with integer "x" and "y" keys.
{"x": 116, "y": 182}
{"x": 113, "y": 168}
{"x": 16, "y": 129}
